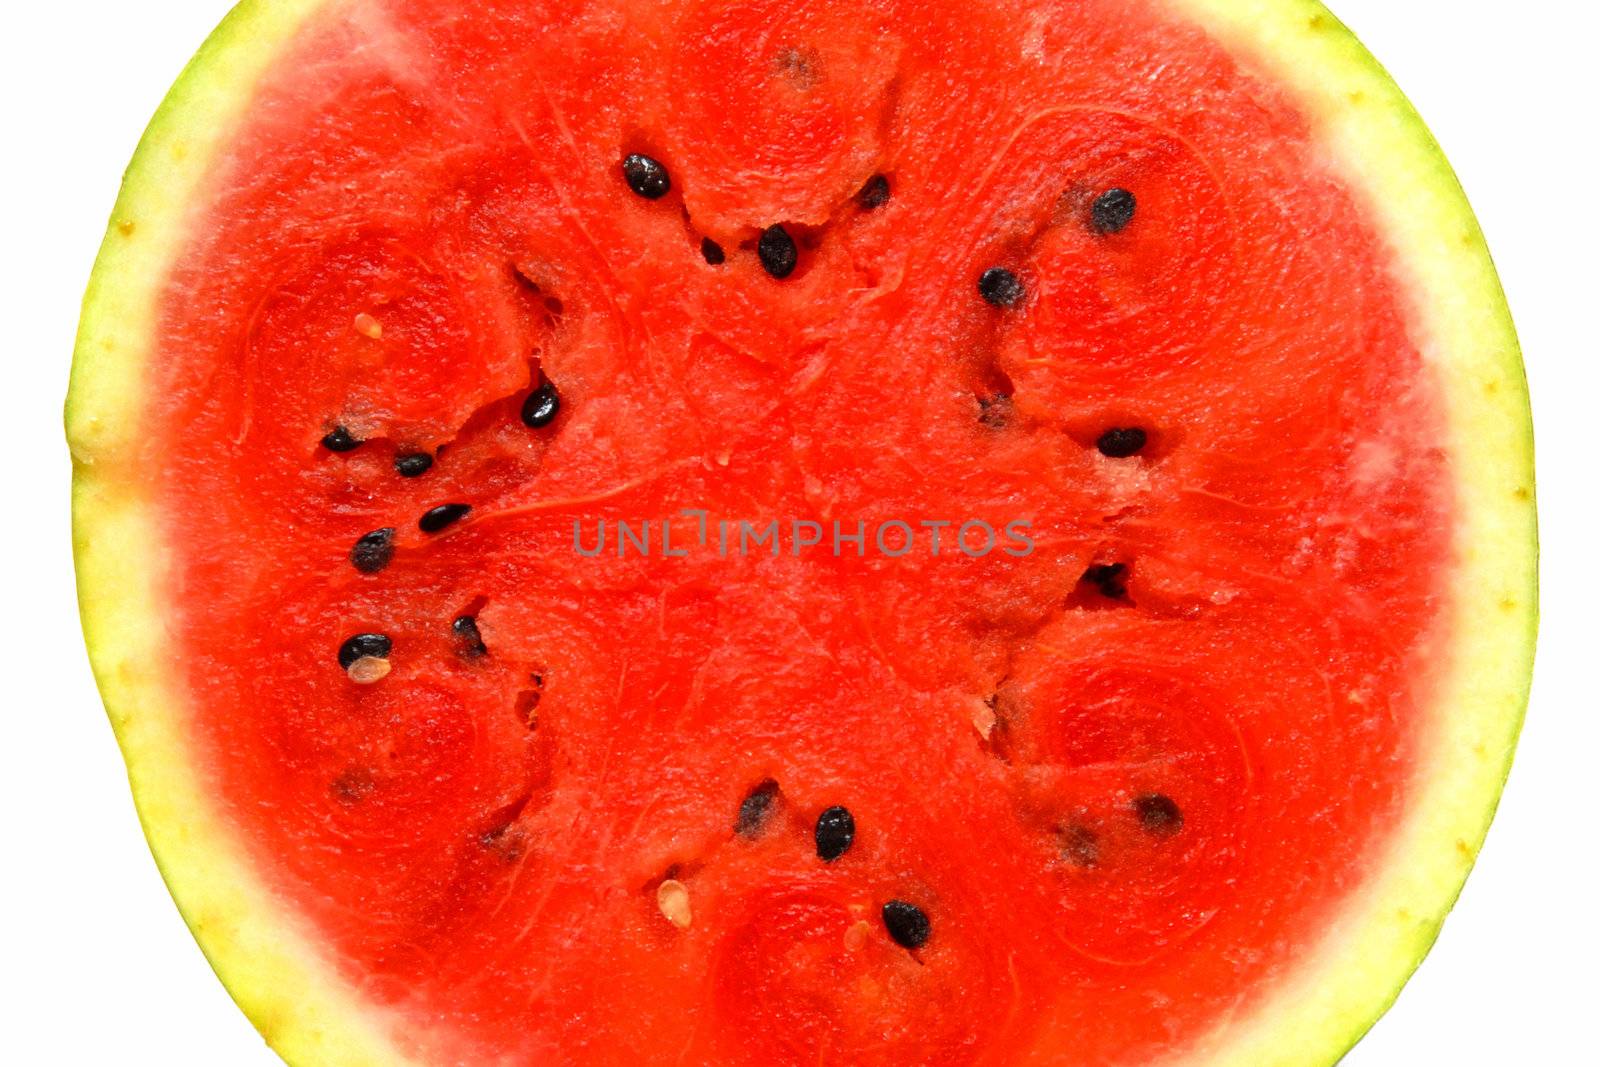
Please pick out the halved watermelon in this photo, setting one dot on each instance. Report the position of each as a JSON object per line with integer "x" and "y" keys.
{"x": 895, "y": 532}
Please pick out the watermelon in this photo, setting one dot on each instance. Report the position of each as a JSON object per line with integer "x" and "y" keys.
{"x": 894, "y": 532}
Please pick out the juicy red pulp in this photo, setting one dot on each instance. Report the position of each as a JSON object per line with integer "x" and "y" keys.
{"x": 1124, "y": 777}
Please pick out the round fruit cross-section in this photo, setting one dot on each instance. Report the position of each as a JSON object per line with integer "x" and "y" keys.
{"x": 624, "y": 533}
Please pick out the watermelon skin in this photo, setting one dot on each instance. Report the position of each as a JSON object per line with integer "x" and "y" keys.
{"x": 310, "y": 1016}
{"x": 1385, "y": 147}
{"x": 291, "y": 997}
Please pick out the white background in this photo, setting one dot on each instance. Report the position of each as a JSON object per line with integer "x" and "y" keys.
{"x": 97, "y": 967}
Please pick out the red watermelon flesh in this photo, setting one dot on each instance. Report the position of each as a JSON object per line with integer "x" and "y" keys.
{"x": 1125, "y": 764}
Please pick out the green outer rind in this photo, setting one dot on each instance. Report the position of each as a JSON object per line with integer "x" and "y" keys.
{"x": 270, "y": 965}
{"x": 275, "y": 969}
{"x": 1379, "y": 144}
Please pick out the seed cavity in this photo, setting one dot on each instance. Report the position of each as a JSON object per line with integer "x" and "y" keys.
{"x": 798, "y": 66}
{"x": 368, "y": 670}
{"x": 874, "y": 194}
{"x": 374, "y": 551}
{"x": 755, "y": 811}
{"x": 443, "y": 517}
{"x": 413, "y": 464}
{"x": 509, "y": 842}
{"x": 777, "y": 251}
{"x": 367, "y": 326}
{"x": 1001, "y": 287}
{"x": 672, "y": 897}
{"x": 528, "y": 700}
{"x": 1112, "y": 211}
{"x": 836, "y": 832}
{"x": 995, "y": 411}
{"x": 712, "y": 252}
{"x": 1159, "y": 815}
{"x": 353, "y": 786}
{"x": 363, "y": 646}
{"x": 646, "y": 176}
{"x": 1111, "y": 579}
{"x": 341, "y": 440}
{"x": 542, "y": 405}
{"x": 1080, "y": 846}
{"x": 907, "y": 924}
{"x": 1121, "y": 442}
{"x": 469, "y": 641}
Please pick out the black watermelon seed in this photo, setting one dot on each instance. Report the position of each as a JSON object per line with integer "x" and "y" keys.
{"x": 413, "y": 464}
{"x": 542, "y": 405}
{"x": 1001, "y": 287}
{"x": 341, "y": 440}
{"x": 1159, "y": 814}
{"x": 713, "y": 252}
{"x": 756, "y": 809}
{"x": 778, "y": 252}
{"x": 836, "y": 832}
{"x": 1110, "y": 578}
{"x": 443, "y": 517}
{"x": 1112, "y": 211}
{"x": 362, "y": 645}
{"x": 874, "y": 194}
{"x": 646, "y": 176}
{"x": 468, "y": 637}
{"x": 907, "y": 924}
{"x": 1080, "y": 846}
{"x": 374, "y": 551}
{"x": 1122, "y": 442}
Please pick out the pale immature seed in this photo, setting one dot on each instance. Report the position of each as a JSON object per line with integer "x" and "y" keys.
{"x": 673, "y": 899}
{"x": 369, "y": 670}
{"x": 984, "y": 719}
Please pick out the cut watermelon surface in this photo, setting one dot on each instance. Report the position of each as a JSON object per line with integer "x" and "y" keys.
{"x": 900, "y": 533}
